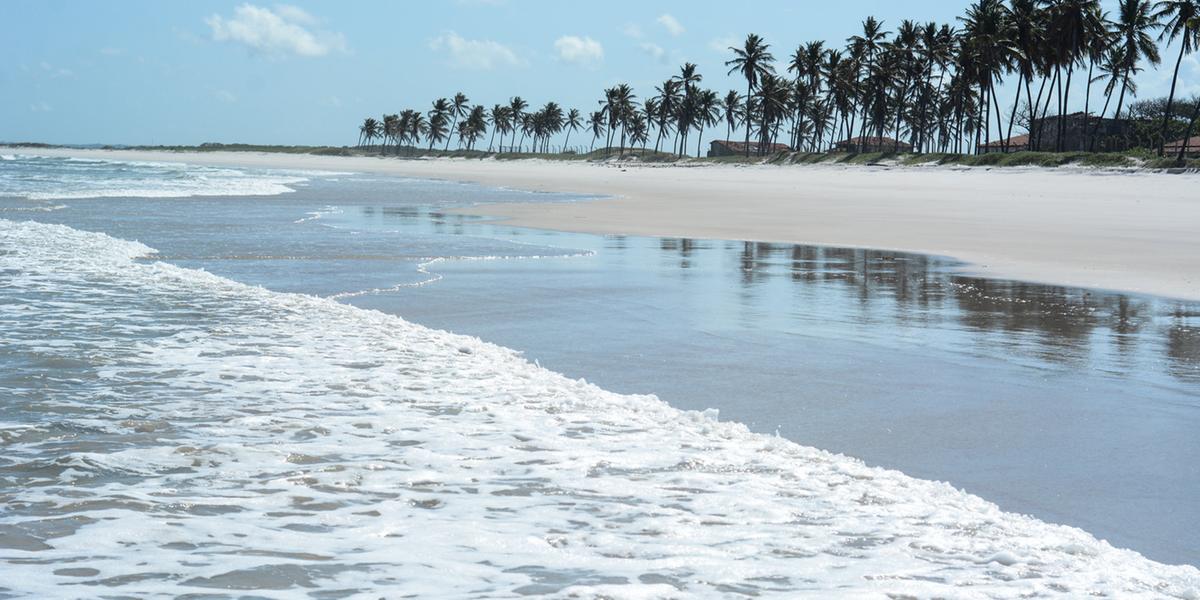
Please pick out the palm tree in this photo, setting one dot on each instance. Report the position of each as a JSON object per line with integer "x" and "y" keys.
{"x": 417, "y": 127}
{"x": 572, "y": 122}
{"x": 1135, "y": 21}
{"x": 458, "y": 108}
{"x": 438, "y": 125}
{"x": 516, "y": 116}
{"x": 474, "y": 126}
{"x": 1113, "y": 69}
{"x": 666, "y": 105}
{"x": 734, "y": 112}
{"x": 596, "y": 123}
{"x": 867, "y": 47}
{"x": 708, "y": 113}
{"x": 1182, "y": 21}
{"x": 1026, "y": 19}
{"x": 497, "y": 116}
{"x": 368, "y": 131}
{"x": 753, "y": 60}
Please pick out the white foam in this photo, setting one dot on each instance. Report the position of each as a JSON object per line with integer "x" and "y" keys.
{"x": 50, "y": 178}
{"x": 297, "y": 445}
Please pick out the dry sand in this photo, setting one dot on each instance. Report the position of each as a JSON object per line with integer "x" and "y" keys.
{"x": 1136, "y": 232}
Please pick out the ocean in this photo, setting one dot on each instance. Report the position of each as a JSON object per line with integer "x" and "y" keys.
{"x": 231, "y": 382}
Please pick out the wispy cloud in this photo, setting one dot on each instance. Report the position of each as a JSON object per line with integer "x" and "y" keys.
{"x": 579, "y": 50}
{"x": 225, "y": 96}
{"x": 653, "y": 51}
{"x": 475, "y": 54}
{"x": 672, "y": 25}
{"x": 633, "y": 30}
{"x": 54, "y": 72}
{"x": 723, "y": 44}
{"x": 40, "y": 107}
{"x": 280, "y": 32}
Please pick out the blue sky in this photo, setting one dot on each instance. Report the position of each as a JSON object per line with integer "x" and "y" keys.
{"x": 307, "y": 72}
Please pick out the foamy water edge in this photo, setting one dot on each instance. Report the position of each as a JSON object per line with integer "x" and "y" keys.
{"x": 434, "y": 454}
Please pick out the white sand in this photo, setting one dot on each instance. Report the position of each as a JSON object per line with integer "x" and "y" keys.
{"x": 1137, "y": 232}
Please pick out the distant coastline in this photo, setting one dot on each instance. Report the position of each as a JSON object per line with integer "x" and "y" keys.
{"x": 1130, "y": 160}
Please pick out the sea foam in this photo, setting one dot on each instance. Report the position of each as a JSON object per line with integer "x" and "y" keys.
{"x": 229, "y": 438}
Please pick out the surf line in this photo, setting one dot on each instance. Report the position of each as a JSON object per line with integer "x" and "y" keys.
{"x": 432, "y": 277}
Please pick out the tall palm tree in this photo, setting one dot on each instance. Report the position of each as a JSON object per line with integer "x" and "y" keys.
{"x": 708, "y": 113}
{"x": 516, "y": 116}
{"x": 1026, "y": 19}
{"x": 1073, "y": 26}
{"x": 497, "y": 116}
{"x": 1181, "y": 21}
{"x": 753, "y": 60}
{"x": 368, "y": 131}
{"x": 596, "y": 123}
{"x": 572, "y": 122}
{"x": 666, "y": 105}
{"x": 731, "y": 107}
{"x": 1135, "y": 22}
{"x": 1113, "y": 70}
{"x": 458, "y": 108}
{"x": 417, "y": 128}
{"x": 438, "y": 122}
{"x": 867, "y": 47}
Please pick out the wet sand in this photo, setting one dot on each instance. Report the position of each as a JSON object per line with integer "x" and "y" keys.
{"x": 1127, "y": 231}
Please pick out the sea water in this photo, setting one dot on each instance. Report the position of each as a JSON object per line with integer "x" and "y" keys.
{"x": 203, "y": 412}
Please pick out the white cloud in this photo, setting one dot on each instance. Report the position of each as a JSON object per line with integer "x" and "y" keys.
{"x": 40, "y": 107}
{"x": 633, "y": 30}
{"x": 54, "y": 72}
{"x": 475, "y": 54}
{"x": 225, "y": 96}
{"x": 673, "y": 26}
{"x": 653, "y": 50}
{"x": 723, "y": 44}
{"x": 579, "y": 50}
{"x": 295, "y": 14}
{"x": 278, "y": 33}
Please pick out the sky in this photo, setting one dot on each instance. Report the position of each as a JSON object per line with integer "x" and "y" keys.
{"x": 308, "y": 72}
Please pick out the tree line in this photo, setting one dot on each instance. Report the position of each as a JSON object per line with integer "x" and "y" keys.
{"x": 934, "y": 85}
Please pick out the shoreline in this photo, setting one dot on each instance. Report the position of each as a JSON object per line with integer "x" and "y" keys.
{"x": 1080, "y": 228}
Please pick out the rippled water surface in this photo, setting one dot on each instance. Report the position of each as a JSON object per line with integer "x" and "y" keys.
{"x": 175, "y": 419}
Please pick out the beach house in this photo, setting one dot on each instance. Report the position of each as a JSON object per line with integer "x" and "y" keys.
{"x": 732, "y": 148}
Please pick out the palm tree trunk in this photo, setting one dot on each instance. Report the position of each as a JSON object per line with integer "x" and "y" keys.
{"x": 750, "y": 90}
{"x": 1162, "y": 144}
{"x": 1087, "y": 96}
{"x": 1099, "y": 121}
{"x": 1012, "y": 118}
{"x": 567, "y": 141}
{"x": 1066, "y": 105}
{"x": 999, "y": 114}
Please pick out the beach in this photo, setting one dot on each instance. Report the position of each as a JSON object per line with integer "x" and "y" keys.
{"x": 1115, "y": 230}
{"x": 208, "y": 367}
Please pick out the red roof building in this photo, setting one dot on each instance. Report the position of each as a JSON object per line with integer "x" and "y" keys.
{"x": 1192, "y": 144}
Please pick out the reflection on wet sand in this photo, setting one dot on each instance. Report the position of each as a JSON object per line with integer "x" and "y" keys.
{"x": 1046, "y": 324}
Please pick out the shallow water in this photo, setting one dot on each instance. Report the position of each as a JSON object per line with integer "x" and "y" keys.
{"x": 168, "y": 429}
